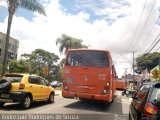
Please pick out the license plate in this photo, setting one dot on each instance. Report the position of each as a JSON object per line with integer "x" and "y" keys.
{"x": 5, "y": 95}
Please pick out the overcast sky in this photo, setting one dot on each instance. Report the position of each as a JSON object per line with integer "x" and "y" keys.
{"x": 102, "y": 24}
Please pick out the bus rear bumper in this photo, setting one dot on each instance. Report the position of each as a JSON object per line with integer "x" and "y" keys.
{"x": 106, "y": 98}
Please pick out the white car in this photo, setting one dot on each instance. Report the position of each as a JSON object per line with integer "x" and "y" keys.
{"x": 56, "y": 84}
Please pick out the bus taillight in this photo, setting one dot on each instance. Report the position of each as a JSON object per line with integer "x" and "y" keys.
{"x": 65, "y": 88}
{"x": 65, "y": 85}
{"x": 106, "y": 88}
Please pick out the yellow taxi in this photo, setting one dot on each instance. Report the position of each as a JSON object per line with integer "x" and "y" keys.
{"x": 24, "y": 88}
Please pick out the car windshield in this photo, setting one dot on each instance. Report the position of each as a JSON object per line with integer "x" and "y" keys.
{"x": 87, "y": 58}
{"x": 155, "y": 94}
{"x": 14, "y": 79}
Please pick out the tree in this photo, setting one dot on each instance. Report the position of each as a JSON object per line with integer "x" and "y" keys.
{"x": 149, "y": 61}
{"x": 13, "y": 5}
{"x": 62, "y": 62}
{"x": 66, "y": 42}
{"x": 20, "y": 66}
{"x": 40, "y": 59}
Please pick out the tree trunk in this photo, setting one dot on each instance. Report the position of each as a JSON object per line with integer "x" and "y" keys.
{"x": 5, "y": 58}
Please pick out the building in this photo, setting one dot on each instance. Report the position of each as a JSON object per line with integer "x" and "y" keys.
{"x": 12, "y": 50}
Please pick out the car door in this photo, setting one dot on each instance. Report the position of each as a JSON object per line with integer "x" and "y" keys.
{"x": 44, "y": 88}
{"x": 35, "y": 88}
{"x": 139, "y": 100}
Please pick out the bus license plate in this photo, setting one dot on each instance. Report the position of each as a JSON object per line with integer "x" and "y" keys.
{"x": 5, "y": 95}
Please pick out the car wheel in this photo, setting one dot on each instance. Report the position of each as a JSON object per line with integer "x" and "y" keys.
{"x": 51, "y": 98}
{"x": 1, "y": 104}
{"x": 139, "y": 117}
{"x": 26, "y": 102}
{"x": 5, "y": 85}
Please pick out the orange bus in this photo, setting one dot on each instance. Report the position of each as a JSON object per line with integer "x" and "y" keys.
{"x": 120, "y": 84}
{"x": 89, "y": 74}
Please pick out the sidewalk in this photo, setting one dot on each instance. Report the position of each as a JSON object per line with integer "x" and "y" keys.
{"x": 58, "y": 92}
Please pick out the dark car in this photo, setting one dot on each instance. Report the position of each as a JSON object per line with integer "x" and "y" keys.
{"x": 146, "y": 102}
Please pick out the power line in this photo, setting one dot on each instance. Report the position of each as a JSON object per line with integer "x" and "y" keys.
{"x": 157, "y": 49}
{"x": 137, "y": 26}
{"x": 145, "y": 23}
{"x": 154, "y": 45}
{"x": 147, "y": 35}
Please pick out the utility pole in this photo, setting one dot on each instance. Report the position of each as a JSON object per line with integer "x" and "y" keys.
{"x": 133, "y": 69}
{"x": 133, "y": 52}
{"x": 126, "y": 81}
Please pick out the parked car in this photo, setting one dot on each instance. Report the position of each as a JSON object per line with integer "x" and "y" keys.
{"x": 146, "y": 102}
{"x": 24, "y": 88}
{"x": 56, "y": 84}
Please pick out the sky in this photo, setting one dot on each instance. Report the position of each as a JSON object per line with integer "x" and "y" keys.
{"x": 115, "y": 25}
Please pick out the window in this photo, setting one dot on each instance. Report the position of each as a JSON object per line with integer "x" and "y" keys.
{"x": 1, "y": 41}
{"x": 87, "y": 58}
{"x": 33, "y": 80}
{"x": 146, "y": 88}
{"x": 42, "y": 82}
{"x": 14, "y": 79}
{"x": 155, "y": 94}
{"x": 10, "y": 55}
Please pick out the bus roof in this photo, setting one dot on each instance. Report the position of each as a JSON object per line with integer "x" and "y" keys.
{"x": 85, "y": 49}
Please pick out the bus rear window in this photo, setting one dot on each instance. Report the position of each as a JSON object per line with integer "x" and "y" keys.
{"x": 87, "y": 58}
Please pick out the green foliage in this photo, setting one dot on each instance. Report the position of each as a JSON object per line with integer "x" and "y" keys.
{"x": 58, "y": 73}
{"x": 62, "y": 62}
{"x": 148, "y": 61}
{"x": 40, "y": 59}
{"x": 20, "y": 66}
{"x": 65, "y": 42}
{"x": 32, "y": 5}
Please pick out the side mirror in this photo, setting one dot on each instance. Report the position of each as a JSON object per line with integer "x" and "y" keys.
{"x": 157, "y": 102}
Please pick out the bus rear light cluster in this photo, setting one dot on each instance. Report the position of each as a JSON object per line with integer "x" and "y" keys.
{"x": 106, "y": 88}
{"x": 107, "y": 84}
{"x": 65, "y": 88}
{"x": 104, "y": 91}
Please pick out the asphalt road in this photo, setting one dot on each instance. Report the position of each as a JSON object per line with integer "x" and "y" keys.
{"x": 68, "y": 109}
